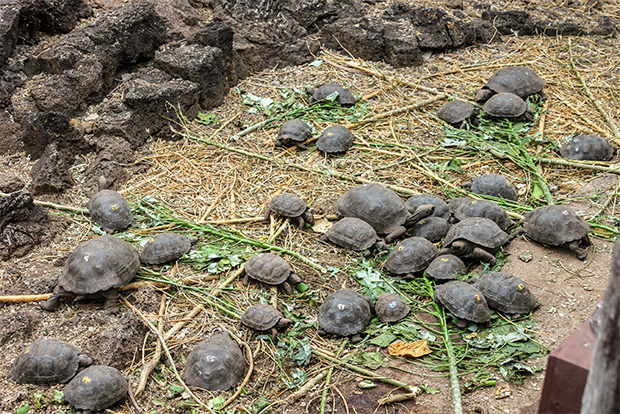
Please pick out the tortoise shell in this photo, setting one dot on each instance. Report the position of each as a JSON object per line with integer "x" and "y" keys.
{"x": 494, "y": 185}
{"x": 441, "y": 207}
{"x": 99, "y": 264}
{"x": 352, "y": 233}
{"x": 294, "y": 131}
{"x": 432, "y": 229}
{"x": 506, "y": 293}
{"x": 411, "y": 255}
{"x": 588, "y": 147}
{"x": 477, "y": 230}
{"x": 344, "y": 313}
{"x": 345, "y": 97}
{"x": 391, "y": 308}
{"x": 287, "y": 205}
{"x": 445, "y": 267}
{"x": 555, "y": 225}
{"x": 335, "y": 139}
{"x": 519, "y": 80}
{"x": 96, "y": 388}
{"x": 46, "y": 361}
{"x": 216, "y": 363}
{"x": 268, "y": 268}
{"x": 505, "y": 105}
{"x": 165, "y": 248}
{"x": 463, "y": 208}
{"x": 455, "y": 112}
{"x": 463, "y": 300}
{"x": 261, "y": 317}
{"x": 109, "y": 209}
{"x": 378, "y": 206}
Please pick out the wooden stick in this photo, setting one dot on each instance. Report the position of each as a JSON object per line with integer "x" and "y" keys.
{"x": 580, "y": 164}
{"x": 54, "y": 205}
{"x": 167, "y": 352}
{"x": 399, "y": 397}
{"x": 398, "y": 111}
{"x": 306, "y": 387}
{"x": 150, "y": 366}
{"x": 596, "y": 103}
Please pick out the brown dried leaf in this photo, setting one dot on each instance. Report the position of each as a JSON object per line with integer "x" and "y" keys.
{"x": 413, "y": 349}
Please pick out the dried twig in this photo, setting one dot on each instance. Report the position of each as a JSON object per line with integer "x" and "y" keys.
{"x": 55, "y": 206}
{"x": 150, "y": 366}
{"x": 398, "y": 111}
{"x": 248, "y": 351}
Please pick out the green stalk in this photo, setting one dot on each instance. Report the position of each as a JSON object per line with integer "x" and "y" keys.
{"x": 227, "y": 234}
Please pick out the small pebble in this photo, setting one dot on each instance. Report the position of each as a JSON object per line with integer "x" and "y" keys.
{"x": 525, "y": 256}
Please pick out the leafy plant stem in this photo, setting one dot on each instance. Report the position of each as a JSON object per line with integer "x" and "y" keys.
{"x": 225, "y": 234}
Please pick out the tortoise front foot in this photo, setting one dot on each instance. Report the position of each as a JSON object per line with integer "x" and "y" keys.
{"x": 395, "y": 234}
{"x": 483, "y": 256}
{"x": 355, "y": 338}
{"x": 109, "y": 305}
{"x": 579, "y": 251}
{"x": 53, "y": 301}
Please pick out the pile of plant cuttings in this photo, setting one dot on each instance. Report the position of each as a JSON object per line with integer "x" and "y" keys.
{"x": 216, "y": 180}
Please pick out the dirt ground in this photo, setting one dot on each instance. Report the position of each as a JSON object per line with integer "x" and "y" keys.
{"x": 207, "y": 182}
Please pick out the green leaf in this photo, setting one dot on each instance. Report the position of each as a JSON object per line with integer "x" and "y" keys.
{"x": 176, "y": 389}
{"x": 260, "y": 404}
{"x": 536, "y": 193}
{"x": 207, "y": 118}
{"x": 429, "y": 390}
{"x": 58, "y": 396}
{"x": 316, "y": 63}
{"x": 372, "y": 360}
{"x": 23, "y": 409}
{"x": 299, "y": 377}
{"x": 383, "y": 340}
{"x": 216, "y": 403}
{"x": 304, "y": 352}
{"x": 301, "y": 287}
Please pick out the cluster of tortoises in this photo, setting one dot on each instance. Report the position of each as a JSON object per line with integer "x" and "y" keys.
{"x": 504, "y": 96}
{"x": 369, "y": 216}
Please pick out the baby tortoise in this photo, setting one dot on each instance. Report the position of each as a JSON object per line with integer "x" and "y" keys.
{"x": 431, "y": 228}
{"x": 97, "y": 267}
{"x": 464, "y": 301}
{"x": 354, "y": 234}
{"x": 382, "y": 208}
{"x": 508, "y": 105}
{"x": 344, "y": 98}
{"x": 391, "y": 308}
{"x": 166, "y": 247}
{"x": 506, "y": 293}
{"x": 289, "y": 205}
{"x": 475, "y": 237}
{"x": 294, "y": 132}
{"x": 588, "y": 147}
{"x": 457, "y": 113}
{"x": 265, "y": 318}
{"x": 410, "y": 256}
{"x": 557, "y": 225}
{"x": 48, "y": 361}
{"x": 272, "y": 270}
{"x": 445, "y": 267}
{"x": 345, "y": 313}
{"x": 463, "y": 207}
{"x": 109, "y": 209}
{"x": 95, "y": 389}
{"x": 215, "y": 364}
{"x": 335, "y": 139}
{"x": 519, "y": 80}
{"x": 494, "y": 185}
{"x": 441, "y": 207}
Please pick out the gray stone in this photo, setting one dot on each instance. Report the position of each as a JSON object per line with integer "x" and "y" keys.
{"x": 50, "y": 174}
{"x": 9, "y": 23}
{"x": 117, "y": 119}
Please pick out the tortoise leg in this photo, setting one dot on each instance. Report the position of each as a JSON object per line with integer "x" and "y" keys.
{"x": 409, "y": 276}
{"x": 286, "y": 287}
{"x": 301, "y": 222}
{"x": 52, "y": 302}
{"x": 355, "y": 338}
{"x": 579, "y": 251}
{"x": 109, "y": 297}
{"x": 483, "y": 255}
{"x": 267, "y": 214}
{"x": 309, "y": 217}
{"x": 300, "y": 146}
{"x": 274, "y": 335}
{"x": 366, "y": 253}
{"x": 246, "y": 280}
{"x": 461, "y": 323}
{"x": 445, "y": 250}
{"x": 395, "y": 234}
{"x": 84, "y": 360}
{"x": 322, "y": 332}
